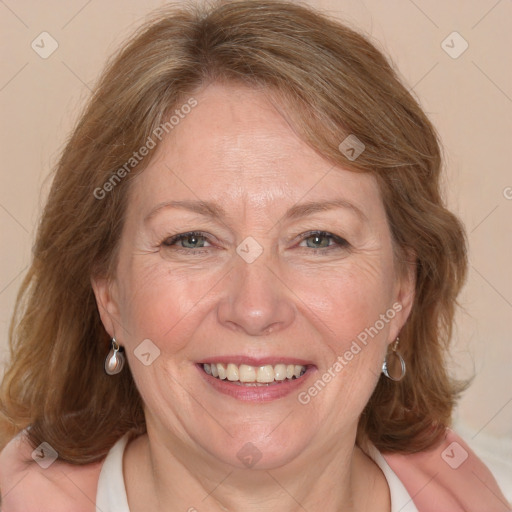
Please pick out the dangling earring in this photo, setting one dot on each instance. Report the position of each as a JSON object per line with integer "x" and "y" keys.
{"x": 400, "y": 358}
{"x": 114, "y": 362}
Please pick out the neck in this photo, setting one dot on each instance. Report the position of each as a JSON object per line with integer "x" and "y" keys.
{"x": 169, "y": 477}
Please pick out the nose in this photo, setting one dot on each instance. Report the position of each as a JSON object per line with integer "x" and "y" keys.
{"x": 255, "y": 301}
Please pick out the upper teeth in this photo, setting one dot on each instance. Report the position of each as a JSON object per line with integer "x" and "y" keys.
{"x": 246, "y": 373}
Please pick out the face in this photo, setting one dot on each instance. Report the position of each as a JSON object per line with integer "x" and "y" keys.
{"x": 288, "y": 279}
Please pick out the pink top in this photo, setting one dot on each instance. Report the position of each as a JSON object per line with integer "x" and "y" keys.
{"x": 446, "y": 478}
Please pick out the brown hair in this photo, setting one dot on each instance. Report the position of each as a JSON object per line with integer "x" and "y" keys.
{"x": 333, "y": 82}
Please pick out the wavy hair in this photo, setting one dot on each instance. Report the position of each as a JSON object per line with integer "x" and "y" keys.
{"x": 332, "y": 81}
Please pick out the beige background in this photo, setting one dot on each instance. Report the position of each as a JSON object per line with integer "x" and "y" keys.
{"x": 469, "y": 99}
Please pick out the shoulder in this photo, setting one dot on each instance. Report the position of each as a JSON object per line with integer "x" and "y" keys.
{"x": 448, "y": 477}
{"x": 46, "y": 485}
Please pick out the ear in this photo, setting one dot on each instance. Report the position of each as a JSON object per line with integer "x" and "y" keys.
{"x": 405, "y": 293}
{"x": 105, "y": 292}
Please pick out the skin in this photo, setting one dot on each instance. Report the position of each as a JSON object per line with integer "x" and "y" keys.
{"x": 237, "y": 150}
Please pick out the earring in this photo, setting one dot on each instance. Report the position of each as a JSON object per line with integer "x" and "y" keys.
{"x": 400, "y": 358}
{"x": 114, "y": 362}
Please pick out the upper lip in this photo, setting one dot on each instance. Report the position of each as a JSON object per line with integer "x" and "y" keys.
{"x": 255, "y": 361}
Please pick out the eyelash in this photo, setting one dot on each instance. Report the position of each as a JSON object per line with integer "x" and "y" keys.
{"x": 340, "y": 242}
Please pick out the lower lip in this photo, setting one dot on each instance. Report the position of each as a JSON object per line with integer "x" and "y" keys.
{"x": 256, "y": 393}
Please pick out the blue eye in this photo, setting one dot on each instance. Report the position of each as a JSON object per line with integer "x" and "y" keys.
{"x": 191, "y": 240}
{"x": 321, "y": 239}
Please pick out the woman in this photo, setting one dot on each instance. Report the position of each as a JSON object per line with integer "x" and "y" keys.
{"x": 243, "y": 285}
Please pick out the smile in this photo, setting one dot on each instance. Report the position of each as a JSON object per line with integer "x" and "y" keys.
{"x": 256, "y": 379}
{"x": 248, "y": 375}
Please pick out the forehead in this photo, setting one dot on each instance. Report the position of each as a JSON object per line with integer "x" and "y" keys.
{"x": 237, "y": 146}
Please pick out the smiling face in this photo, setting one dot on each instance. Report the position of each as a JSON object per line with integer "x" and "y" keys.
{"x": 259, "y": 290}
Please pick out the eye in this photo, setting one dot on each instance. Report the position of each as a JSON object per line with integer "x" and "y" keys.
{"x": 188, "y": 241}
{"x": 193, "y": 241}
{"x": 320, "y": 240}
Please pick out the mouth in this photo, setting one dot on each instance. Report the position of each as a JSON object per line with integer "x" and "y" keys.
{"x": 248, "y": 375}
{"x": 255, "y": 380}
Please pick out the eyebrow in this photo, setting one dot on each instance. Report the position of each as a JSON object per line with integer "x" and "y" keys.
{"x": 303, "y": 209}
{"x": 215, "y": 211}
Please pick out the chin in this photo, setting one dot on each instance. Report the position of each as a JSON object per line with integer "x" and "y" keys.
{"x": 260, "y": 446}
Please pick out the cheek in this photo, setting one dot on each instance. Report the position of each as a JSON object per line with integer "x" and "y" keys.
{"x": 354, "y": 315}
{"x": 338, "y": 301}
{"x": 159, "y": 303}
{"x": 350, "y": 298}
